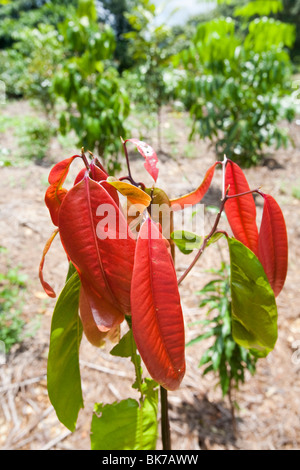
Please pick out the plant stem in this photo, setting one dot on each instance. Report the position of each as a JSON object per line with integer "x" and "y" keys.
{"x": 205, "y": 241}
{"x": 232, "y": 409}
{"x": 127, "y": 160}
{"x": 129, "y": 176}
{"x": 85, "y": 160}
{"x": 165, "y": 426}
{"x": 214, "y": 229}
{"x": 251, "y": 191}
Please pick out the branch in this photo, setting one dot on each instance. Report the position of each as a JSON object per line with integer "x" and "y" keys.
{"x": 214, "y": 229}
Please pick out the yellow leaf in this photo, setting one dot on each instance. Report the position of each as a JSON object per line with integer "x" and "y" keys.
{"x": 134, "y": 195}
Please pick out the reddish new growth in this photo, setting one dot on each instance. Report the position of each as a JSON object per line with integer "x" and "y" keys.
{"x": 127, "y": 270}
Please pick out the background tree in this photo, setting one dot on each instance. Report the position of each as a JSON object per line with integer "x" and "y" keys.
{"x": 95, "y": 103}
{"x": 236, "y": 78}
{"x": 116, "y": 16}
{"x": 152, "y": 79}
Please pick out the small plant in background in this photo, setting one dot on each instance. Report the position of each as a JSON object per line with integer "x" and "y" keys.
{"x": 11, "y": 322}
{"x": 225, "y": 358}
{"x": 34, "y": 138}
{"x": 296, "y": 191}
{"x": 152, "y": 47}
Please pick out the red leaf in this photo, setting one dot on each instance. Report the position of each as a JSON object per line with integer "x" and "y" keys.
{"x": 157, "y": 321}
{"x": 60, "y": 171}
{"x": 241, "y": 211}
{"x": 47, "y": 288}
{"x": 96, "y": 238}
{"x": 102, "y": 308}
{"x": 80, "y": 176}
{"x": 96, "y": 174}
{"x": 195, "y": 196}
{"x": 150, "y": 156}
{"x": 273, "y": 244}
{"x": 91, "y": 331}
{"x": 55, "y": 193}
{"x": 53, "y": 198}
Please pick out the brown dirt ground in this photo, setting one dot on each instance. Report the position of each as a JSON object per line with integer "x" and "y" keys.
{"x": 269, "y": 402}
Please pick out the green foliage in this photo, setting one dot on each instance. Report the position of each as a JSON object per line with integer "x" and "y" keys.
{"x": 28, "y": 67}
{"x": 291, "y": 14}
{"x": 114, "y": 14}
{"x": 11, "y": 321}
{"x": 259, "y": 7}
{"x": 132, "y": 423}
{"x": 224, "y": 357}
{"x": 95, "y": 105}
{"x": 34, "y": 138}
{"x": 63, "y": 373}
{"x": 253, "y": 305}
{"x": 234, "y": 86}
{"x": 125, "y": 425}
{"x": 186, "y": 241}
{"x": 296, "y": 192}
{"x": 19, "y": 14}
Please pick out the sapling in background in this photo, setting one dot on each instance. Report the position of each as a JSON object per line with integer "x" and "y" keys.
{"x": 224, "y": 358}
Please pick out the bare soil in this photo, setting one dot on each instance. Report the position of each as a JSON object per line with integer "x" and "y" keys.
{"x": 269, "y": 402}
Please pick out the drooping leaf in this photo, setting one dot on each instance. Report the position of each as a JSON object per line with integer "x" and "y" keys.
{"x": 241, "y": 211}
{"x": 63, "y": 373}
{"x": 157, "y": 321}
{"x": 126, "y": 425}
{"x": 254, "y": 310}
{"x": 149, "y": 154}
{"x": 195, "y": 196}
{"x": 47, "y": 288}
{"x": 96, "y": 237}
{"x": 93, "y": 334}
{"x": 273, "y": 244}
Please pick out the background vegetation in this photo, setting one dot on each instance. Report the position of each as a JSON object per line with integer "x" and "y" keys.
{"x": 91, "y": 64}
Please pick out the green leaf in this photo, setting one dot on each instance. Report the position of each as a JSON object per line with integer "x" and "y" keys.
{"x": 71, "y": 271}
{"x": 125, "y": 425}
{"x": 63, "y": 374}
{"x": 186, "y": 241}
{"x": 215, "y": 237}
{"x": 254, "y": 310}
{"x": 125, "y": 347}
{"x": 260, "y": 8}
